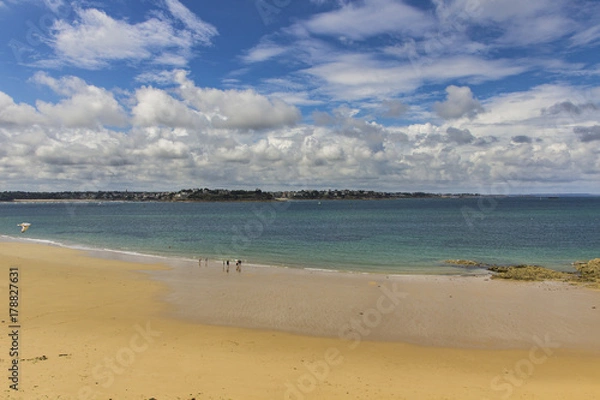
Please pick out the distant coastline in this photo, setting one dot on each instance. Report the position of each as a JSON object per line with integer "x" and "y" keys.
{"x": 219, "y": 195}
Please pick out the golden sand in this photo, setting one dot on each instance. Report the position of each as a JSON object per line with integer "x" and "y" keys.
{"x": 94, "y": 328}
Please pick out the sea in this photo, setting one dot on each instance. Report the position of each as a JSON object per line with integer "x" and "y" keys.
{"x": 401, "y": 236}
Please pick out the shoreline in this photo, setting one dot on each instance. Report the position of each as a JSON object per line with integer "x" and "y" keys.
{"x": 95, "y": 328}
{"x": 137, "y": 256}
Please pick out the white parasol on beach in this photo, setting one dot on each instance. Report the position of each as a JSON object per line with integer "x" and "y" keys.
{"x": 24, "y": 226}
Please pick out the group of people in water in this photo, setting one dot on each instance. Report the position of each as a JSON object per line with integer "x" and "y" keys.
{"x": 238, "y": 264}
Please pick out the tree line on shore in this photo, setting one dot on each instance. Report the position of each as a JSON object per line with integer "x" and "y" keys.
{"x": 206, "y": 194}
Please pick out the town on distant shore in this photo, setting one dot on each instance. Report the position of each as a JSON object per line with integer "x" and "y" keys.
{"x": 206, "y": 194}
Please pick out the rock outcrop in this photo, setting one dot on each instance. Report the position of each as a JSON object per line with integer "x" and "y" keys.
{"x": 530, "y": 273}
{"x": 587, "y": 273}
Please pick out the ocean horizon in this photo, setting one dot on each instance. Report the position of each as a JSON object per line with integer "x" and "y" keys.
{"x": 404, "y": 236}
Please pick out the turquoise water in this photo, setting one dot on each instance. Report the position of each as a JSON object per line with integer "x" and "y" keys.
{"x": 402, "y": 236}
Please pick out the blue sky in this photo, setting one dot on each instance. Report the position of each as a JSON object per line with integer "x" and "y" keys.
{"x": 444, "y": 95}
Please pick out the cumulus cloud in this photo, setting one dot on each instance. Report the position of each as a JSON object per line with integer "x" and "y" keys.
{"x": 459, "y": 103}
{"x": 189, "y": 106}
{"x": 393, "y": 108}
{"x": 485, "y": 141}
{"x": 165, "y": 149}
{"x": 95, "y": 39}
{"x": 568, "y": 107}
{"x": 521, "y": 139}
{"x": 156, "y": 107}
{"x": 588, "y": 134}
{"x": 16, "y": 114}
{"x": 174, "y": 137}
{"x": 459, "y": 136}
{"x": 85, "y": 105}
{"x": 322, "y": 118}
{"x": 238, "y": 109}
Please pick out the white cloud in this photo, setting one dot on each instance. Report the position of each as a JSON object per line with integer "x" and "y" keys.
{"x": 238, "y": 109}
{"x": 297, "y": 98}
{"x": 458, "y": 42}
{"x": 16, "y": 114}
{"x": 516, "y": 23}
{"x": 521, "y": 110}
{"x": 56, "y": 6}
{"x": 263, "y": 51}
{"x": 165, "y": 149}
{"x": 587, "y": 37}
{"x": 361, "y": 20}
{"x": 161, "y": 77}
{"x": 156, "y": 107}
{"x": 508, "y": 10}
{"x": 393, "y": 108}
{"x": 530, "y": 140}
{"x": 543, "y": 29}
{"x": 95, "y": 39}
{"x": 202, "y": 31}
{"x": 359, "y": 76}
{"x": 459, "y": 103}
{"x": 190, "y": 106}
{"x": 324, "y": 2}
{"x": 85, "y": 105}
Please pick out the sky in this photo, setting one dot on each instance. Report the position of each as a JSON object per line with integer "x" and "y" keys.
{"x": 445, "y": 96}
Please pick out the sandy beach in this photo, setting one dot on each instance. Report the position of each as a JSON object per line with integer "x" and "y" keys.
{"x": 106, "y": 326}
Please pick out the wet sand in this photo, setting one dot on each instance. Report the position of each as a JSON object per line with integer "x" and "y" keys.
{"x": 448, "y": 311}
{"x": 96, "y": 328}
